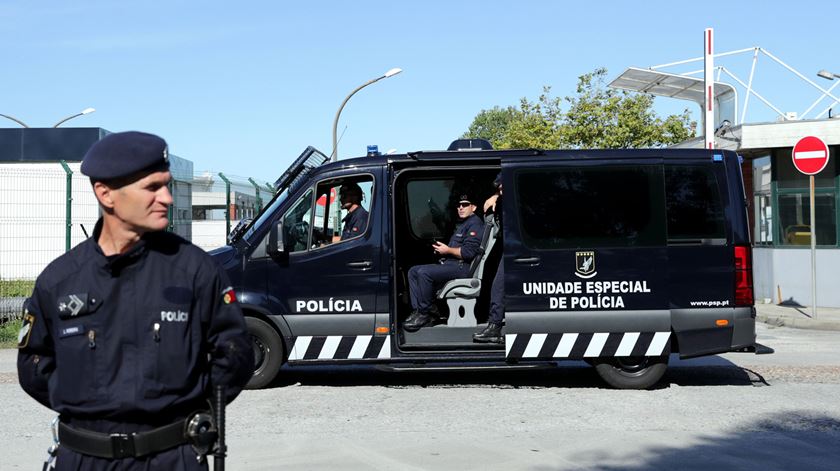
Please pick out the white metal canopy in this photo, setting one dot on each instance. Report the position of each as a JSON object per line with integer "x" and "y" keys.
{"x": 660, "y": 83}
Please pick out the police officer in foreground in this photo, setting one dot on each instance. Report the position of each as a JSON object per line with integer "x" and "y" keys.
{"x": 424, "y": 280}
{"x": 125, "y": 335}
{"x": 355, "y": 222}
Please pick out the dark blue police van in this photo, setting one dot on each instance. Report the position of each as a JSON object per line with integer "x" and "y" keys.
{"x": 615, "y": 257}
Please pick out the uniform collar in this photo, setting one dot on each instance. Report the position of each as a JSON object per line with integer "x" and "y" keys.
{"x": 116, "y": 263}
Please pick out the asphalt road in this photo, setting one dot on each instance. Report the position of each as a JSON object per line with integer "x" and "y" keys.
{"x": 734, "y": 411}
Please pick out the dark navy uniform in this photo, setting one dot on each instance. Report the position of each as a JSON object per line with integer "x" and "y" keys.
{"x": 133, "y": 342}
{"x": 355, "y": 223}
{"x": 424, "y": 280}
{"x": 497, "y": 291}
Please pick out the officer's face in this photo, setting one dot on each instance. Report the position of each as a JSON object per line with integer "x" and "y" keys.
{"x": 465, "y": 210}
{"x": 142, "y": 204}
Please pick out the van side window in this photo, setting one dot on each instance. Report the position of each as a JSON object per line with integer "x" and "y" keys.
{"x": 693, "y": 203}
{"x": 296, "y": 225}
{"x": 334, "y": 220}
{"x": 605, "y": 206}
{"x": 429, "y": 207}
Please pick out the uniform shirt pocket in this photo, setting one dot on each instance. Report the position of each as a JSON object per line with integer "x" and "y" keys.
{"x": 173, "y": 345}
{"x": 77, "y": 352}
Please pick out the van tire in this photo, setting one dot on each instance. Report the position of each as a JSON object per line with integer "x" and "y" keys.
{"x": 268, "y": 353}
{"x": 632, "y": 372}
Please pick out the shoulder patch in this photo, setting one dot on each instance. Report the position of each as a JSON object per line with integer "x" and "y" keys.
{"x": 26, "y": 329}
{"x": 228, "y": 295}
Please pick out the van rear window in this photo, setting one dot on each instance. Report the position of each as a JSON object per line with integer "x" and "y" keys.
{"x": 605, "y": 206}
{"x": 693, "y": 203}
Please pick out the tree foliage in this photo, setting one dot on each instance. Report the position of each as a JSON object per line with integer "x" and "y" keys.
{"x": 597, "y": 117}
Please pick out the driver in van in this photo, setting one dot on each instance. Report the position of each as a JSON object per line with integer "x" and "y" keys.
{"x": 424, "y": 280}
{"x": 355, "y": 222}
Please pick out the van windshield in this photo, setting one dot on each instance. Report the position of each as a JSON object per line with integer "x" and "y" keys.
{"x": 266, "y": 214}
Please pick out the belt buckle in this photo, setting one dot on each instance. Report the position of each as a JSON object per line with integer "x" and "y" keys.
{"x": 122, "y": 445}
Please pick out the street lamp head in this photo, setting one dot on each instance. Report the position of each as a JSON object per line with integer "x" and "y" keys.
{"x": 826, "y": 74}
{"x": 392, "y": 72}
{"x": 88, "y": 110}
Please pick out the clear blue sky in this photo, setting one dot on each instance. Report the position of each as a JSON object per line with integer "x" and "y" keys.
{"x": 243, "y": 87}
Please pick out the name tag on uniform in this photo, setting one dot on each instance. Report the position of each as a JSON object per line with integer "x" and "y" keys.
{"x": 71, "y": 331}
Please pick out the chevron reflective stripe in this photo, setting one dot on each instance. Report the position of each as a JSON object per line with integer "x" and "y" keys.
{"x": 340, "y": 347}
{"x": 587, "y": 345}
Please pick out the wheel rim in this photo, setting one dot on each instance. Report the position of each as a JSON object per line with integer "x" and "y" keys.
{"x": 260, "y": 352}
{"x": 632, "y": 366}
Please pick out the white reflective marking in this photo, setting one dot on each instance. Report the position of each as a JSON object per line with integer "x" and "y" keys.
{"x": 386, "y": 348}
{"x": 509, "y": 339}
{"x": 565, "y": 345}
{"x": 810, "y": 154}
{"x": 359, "y": 346}
{"x": 299, "y": 349}
{"x": 329, "y": 348}
{"x": 625, "y": 348}
{"x": 534, "y": 345}
{"x": 657, "y": 344}
{"x": 596, "y": 344}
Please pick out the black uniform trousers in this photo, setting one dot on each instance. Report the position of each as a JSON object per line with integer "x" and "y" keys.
{"x": 181, "y": 458}
{"x": 497, "y": 296}
{"x": 425, "y": 280}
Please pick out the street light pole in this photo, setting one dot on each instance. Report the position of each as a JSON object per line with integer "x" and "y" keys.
{"x": 334, "y": 155}
{"x": 82, "y": 113}
{"x": 15, "y": 120}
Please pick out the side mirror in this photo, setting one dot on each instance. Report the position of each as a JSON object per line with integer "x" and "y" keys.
{"x": 276, "y": 246}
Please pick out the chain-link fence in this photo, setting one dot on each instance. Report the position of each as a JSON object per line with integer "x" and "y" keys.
{"x": 48, "y": 208}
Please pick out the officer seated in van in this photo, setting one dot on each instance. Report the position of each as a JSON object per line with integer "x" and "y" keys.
{"x": 424, "y": 280}
{"x": 355, "y": 222}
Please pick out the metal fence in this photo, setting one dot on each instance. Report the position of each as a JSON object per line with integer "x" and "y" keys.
{"x": 47, "y": 208}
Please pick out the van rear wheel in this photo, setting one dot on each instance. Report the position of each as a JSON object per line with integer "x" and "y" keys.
{"x": 632, "y": 372}
{"x": 268, "y": 353}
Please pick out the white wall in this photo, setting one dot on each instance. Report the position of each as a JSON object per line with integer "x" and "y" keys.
{"x": 210, "y": 234}
{"x": 32, "y": 215}
{"x": 789, "y": 269}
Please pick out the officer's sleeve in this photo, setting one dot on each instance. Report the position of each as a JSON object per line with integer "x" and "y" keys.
{"x": 36, "y": 351}
{"x": 362, "y": 222}
{"x": 231, "y": 355}
{"x": 472, "y": 240}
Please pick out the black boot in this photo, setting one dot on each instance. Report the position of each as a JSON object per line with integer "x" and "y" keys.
{"x": 491, "y": 334}
{"x": 415, "y": 323}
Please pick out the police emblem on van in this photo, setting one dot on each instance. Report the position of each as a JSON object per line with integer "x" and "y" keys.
{"x": 585, "y": 264}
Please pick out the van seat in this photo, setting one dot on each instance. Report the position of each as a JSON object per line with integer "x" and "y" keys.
{"x": 461, "y": 293}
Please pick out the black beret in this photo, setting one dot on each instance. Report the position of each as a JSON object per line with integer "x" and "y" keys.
{"x": 122, "y": 154}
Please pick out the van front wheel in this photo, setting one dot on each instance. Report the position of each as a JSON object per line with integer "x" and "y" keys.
{"x": 632, "y": 372}
{"x": 268, "y": 353}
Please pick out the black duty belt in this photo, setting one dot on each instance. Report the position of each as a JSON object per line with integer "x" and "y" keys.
{"x": 121, "y": 445}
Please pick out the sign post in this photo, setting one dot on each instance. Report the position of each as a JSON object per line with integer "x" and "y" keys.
{"x": 810, "y": 156}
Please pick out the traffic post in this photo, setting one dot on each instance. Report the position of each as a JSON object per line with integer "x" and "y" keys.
{"x": 810, "y": 156}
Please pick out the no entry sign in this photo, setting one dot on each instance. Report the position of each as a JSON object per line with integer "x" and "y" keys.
{"x": 810, "y": 155}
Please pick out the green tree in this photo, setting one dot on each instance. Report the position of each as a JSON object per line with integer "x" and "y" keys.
{"x": 492, "y": 124}
{"x": 597, "y": 117}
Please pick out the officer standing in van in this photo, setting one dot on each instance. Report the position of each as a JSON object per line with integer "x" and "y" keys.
{"x": 125, "y": 335}
{"x": 493, "y": 332}
{"x": 355, "y": 222}
{"x": 424, "y": 280}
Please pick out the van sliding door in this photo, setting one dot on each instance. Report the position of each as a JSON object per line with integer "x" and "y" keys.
{"x": 585, "y": 258}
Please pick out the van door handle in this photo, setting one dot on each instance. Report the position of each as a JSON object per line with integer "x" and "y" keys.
{"x": 363, "y": 264}
{"x": 527, "y": 261}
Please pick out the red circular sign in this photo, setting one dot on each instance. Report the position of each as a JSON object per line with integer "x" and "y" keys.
{"x": 810, "y": 155}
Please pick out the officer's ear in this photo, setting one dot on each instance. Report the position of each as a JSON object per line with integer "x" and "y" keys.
{"x": 104, "y": 194}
